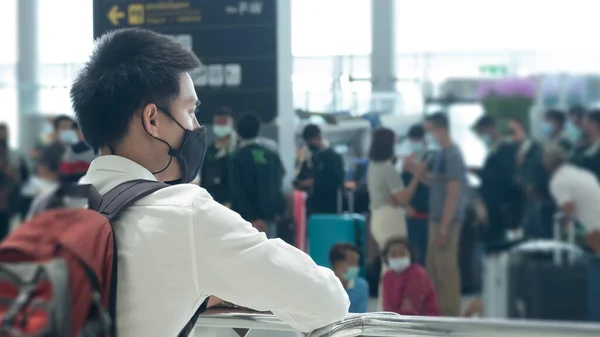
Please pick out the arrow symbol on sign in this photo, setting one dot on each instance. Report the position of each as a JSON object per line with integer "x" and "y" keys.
{"x": 114, "y": 15}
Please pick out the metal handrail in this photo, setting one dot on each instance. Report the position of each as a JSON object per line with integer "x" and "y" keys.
{"x": 388, "y": 324}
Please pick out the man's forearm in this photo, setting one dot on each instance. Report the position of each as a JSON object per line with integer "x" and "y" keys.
{"x": 450, "y": 204}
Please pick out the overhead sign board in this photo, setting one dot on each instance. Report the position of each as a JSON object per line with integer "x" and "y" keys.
{"x": 235, "y": 40}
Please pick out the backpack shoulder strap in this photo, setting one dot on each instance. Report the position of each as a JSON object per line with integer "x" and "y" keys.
{"x": 111, "y": 205}
{"x": 124, "y": 195}
{"x": 187, "y": 329}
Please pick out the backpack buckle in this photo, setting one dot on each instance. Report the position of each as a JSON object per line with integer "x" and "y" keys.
{"x": 21, "y": 301}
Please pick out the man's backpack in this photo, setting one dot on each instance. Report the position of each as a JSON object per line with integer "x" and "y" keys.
{"x": 58, "y": 272}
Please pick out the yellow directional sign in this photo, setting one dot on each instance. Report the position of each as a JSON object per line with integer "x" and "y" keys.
{"x": 135, "y": 14}
{"x": 114, "y": 15}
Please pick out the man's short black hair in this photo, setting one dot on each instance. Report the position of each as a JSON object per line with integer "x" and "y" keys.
{"x": 59, "y": 119}
{"x": 577, "y": 111}
{"x": 485, "y": 122}
{"x": 557, "y": 116}
{"x": 128, "y": 69}
{"x": 310, "y": 132}
{"x": 382, "y": 145}
{"x": 51, "y": 157}
{"x": 416, "y": 131}
{"x": 247, "y": 126}
{"x": 224, "y": 111}
{"x": 439, "y": 120}
{"x": 338, "y": 252}
{"x": 594, "y": 117}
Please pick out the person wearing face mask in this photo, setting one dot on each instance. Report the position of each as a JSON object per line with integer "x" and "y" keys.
{"x": 46, "y": 178}
{"x": 574, "y": 128}
{"x": 418, "y": 207}
{"x": 256, "y": 176}
{"x": 76, "y": 159}
{"x": 406, "y": 287}
{"x": 178, "y": 248}
{"x": 344, "y": 259}
{"x": 321, "y": 173}
{"x": 215, "y": 170}
{"x": 447, "y": 178}
{"x": 554, "y": 129}
{"x": 590, "y": 157}
{"x": 502, "y": 196}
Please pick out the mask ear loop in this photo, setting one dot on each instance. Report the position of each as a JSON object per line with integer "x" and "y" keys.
{"x": 172, "y": 152}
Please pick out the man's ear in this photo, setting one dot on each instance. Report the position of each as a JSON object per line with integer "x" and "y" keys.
{"x": 150, "y": 119}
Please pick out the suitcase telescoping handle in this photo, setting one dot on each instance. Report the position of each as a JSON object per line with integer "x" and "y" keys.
{"x": 560, "y": 220}
{"x": 340, "y": 200}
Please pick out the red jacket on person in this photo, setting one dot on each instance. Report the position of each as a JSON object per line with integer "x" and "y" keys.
{"x": 409, "y": 292}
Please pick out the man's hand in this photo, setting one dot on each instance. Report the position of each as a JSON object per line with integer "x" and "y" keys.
{"x": 517, "y": 129}
{"x": 442, "y": 237}
{"x": 306, "y": 183}
{"x": 413, "y": 165}
{"x": 393, "y": 201}
{"x": 260, "y": 225}
{"x": 408, "y": 307}
{"x": 593, "y": 241}
{"x": 214, "y": 300}
{"x": 409, "y": 163}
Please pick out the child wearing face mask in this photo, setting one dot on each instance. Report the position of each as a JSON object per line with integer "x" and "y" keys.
{"x": 406, "y": 287}
{"x": 344, "y": 259}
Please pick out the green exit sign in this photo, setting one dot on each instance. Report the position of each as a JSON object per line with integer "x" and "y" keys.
{"x": 493, "y": 70}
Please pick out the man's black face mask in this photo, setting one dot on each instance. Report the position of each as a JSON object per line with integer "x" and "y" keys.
{"x": 190, "y": 155}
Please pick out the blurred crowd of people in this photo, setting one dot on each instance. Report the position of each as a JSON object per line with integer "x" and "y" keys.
{"x": 525, "y": 182}
{"x": 417, "y": 204}
{"x": 61, "y": 155}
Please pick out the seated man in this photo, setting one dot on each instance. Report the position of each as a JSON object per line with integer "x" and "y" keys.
{"x": 576, "y": 192}
{"x": 344, "y": 259}
{"x": 177, "y": 247}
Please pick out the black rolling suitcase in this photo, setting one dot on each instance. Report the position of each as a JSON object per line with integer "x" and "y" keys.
{"x": 548, "y": 280}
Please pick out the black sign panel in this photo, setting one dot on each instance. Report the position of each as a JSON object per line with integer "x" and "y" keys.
{"x": 235, "y": 40}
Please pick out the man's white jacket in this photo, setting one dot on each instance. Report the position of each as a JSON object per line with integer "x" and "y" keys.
{"x": 178, "y": 246}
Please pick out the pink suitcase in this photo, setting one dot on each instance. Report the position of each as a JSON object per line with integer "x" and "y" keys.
{"x": 300, "y": 218}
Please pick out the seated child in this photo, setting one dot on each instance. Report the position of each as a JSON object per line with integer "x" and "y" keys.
{"x": 344, "y": 259}
{"x": 406, "y": 288}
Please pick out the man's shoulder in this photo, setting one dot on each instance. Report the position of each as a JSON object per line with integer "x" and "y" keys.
{"x": 327, "y": 154}
{"x": 453, "y": 150}
{"x": 361, "y": 283}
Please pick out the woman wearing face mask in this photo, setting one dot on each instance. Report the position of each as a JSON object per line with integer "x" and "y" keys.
{"x": 387, "y": 192}
{"x": 417, "y": 213}
{"x": 406, "y": 287}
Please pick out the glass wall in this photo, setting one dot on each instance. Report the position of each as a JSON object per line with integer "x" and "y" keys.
{"x": 331, "y": 43}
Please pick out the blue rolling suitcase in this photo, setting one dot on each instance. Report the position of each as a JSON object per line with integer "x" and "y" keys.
{"x": 325, "y": 230}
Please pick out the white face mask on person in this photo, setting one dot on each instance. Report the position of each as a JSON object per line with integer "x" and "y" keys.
{"x": 222, "y": 130}
{"x": 68, "y": 137}
{"x": 417, "y": 148}
{"x": 399, "y": 264}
